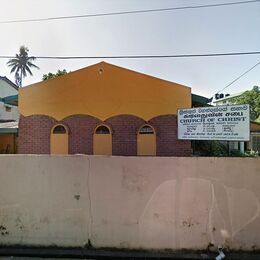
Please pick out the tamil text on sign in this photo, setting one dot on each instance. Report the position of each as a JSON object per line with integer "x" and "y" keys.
{"x": 229, "y": 123}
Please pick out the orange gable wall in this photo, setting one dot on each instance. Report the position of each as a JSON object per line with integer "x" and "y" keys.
{"x": 104, "y": 90}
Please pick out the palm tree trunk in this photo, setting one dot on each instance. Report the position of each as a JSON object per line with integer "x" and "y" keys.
{"x": 21, "y": 74}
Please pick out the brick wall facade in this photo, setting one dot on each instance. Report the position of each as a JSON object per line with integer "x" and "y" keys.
{"x": 124, "y": 127}
{"x": 34, "y": 134}
{"x": 81, "y": 129}
{"x": 167, "y": 143}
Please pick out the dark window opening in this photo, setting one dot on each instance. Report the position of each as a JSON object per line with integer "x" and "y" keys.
{"x": 59, "y": 129}
{"x": 146, "y": 130}
{"x": 103, "y": 130}
{"x": 8, "y": 109}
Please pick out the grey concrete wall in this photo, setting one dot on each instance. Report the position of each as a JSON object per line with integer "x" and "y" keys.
{"x": 130, "y": 202}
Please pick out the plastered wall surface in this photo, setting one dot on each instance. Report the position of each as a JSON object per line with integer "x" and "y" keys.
{"x": 130, "y": 202}
{"x": 12, "y": 114}
{"x": 103, "y": 90}
{"x": 6, "y": 89}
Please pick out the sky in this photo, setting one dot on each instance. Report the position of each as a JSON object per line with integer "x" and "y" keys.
{"x": 207, "y": 30}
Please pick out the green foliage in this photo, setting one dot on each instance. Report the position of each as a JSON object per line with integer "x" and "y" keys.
{"x": 209, "y": 148}
{"x": 21, "y": 65}
{"x": 258, "y": 120}
{"x": 215, "y": 148}
{"x": 54, "y": 75}
{"x": 251, "y": 153}
{"x": 251, "y": 97}
{"x": 236, "y": 153}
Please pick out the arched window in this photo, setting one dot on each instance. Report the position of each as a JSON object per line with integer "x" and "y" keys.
{"x": 146, "y": 129}
{"x": 146, "y": 141}
{"x": 102, "y": 141}
{"x": 102, "y": 130}
{"x": 59, "y": 129}
{"x": 59, "y": 140}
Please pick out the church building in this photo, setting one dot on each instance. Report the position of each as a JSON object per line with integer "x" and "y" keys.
{"x": 102, "y": 109}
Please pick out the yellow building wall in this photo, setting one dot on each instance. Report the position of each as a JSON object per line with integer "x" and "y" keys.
{"x": 59, "y": 144}
{"x": 102, "y": 144}
{"x": 104, "y": 90}
{"x": 146, "y": 144}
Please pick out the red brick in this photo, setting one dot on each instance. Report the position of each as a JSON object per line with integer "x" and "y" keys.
{"x": 34, "y": 134}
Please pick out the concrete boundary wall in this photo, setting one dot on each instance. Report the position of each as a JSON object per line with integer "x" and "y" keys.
{"x": 130, "y": 202}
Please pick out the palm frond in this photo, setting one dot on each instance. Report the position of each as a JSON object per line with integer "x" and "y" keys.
{"x": 31, "y": 58}
{"x": 28, "y": 69}
{"x": 24, "y": 72}
{"x": 13, "y": 68}
{"x": 12, "y": 61}
{"x": 32, "y": 65}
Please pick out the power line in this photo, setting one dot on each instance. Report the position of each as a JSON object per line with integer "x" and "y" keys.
{"x": 141, "y": 56}
{"x": 239, "y": 77}
{"x": 130, "y": 12}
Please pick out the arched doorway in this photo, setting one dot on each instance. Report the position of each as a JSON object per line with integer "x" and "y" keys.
{"x": 102, "y": 141}
{"x": 59, "y": 140}
{"x": 146, "y": 141}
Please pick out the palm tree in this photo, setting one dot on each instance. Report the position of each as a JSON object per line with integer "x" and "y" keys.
{"x": 21, "y": 65}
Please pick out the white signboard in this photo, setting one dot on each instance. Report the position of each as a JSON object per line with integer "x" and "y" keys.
{"x": 229, "y": 123}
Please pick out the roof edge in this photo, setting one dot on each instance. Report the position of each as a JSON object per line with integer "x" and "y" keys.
{"x": 112, "y": 65}
{"x": 9, "y": 82}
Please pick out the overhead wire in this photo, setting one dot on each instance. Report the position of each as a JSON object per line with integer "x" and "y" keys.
{"x": 141, "y": 56}
{"x": 130, "y": 12}
{"x": 239, "y": 77}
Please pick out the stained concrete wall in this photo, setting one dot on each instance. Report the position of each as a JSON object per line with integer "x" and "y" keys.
{"x": 130, "y": 202}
